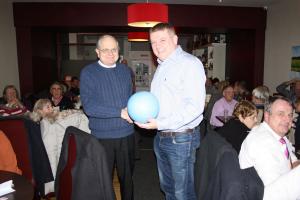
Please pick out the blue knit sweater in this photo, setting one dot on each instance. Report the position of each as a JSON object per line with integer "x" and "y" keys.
{"x": 104, "y": 92}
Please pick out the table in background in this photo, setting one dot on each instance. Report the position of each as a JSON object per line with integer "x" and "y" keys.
{"x": 24, "y": 189}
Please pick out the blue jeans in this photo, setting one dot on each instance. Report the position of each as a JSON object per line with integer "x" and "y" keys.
{"x": 175, "y": 162}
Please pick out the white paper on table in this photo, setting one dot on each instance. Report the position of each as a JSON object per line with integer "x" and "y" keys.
{"x": 6, "y": 188}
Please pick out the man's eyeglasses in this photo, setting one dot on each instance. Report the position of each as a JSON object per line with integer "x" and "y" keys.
{"x": 107, "y": 51}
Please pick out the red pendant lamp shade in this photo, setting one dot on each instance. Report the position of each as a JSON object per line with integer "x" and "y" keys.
{"x": 147, "y": 14}
{"x": 138, "y": 36}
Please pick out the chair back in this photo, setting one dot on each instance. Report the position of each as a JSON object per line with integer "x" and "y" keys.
{"x": 65, "y": 182}
{"x": 16, "y": 132}
{"x": 218, "y": 175}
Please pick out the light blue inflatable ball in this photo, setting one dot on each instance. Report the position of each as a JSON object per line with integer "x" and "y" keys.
{"x": 143, "y": 106}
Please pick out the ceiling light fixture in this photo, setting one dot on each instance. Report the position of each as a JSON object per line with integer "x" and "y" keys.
{"x": 147, "y": 14}
{"x": 138, "y": 36}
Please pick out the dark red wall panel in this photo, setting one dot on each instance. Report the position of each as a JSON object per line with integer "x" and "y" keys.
{"x": 57, "y": 17}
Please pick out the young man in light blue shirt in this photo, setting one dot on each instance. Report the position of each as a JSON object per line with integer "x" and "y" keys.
{"x": 179, "y": 85}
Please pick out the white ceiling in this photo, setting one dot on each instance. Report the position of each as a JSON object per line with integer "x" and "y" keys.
{"x": 246, "y": 3}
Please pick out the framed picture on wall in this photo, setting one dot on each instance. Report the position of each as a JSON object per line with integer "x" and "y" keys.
{"x": 142, "y": 72}
{"x": 295, "y": 66}
{"x": 295, "y": 63}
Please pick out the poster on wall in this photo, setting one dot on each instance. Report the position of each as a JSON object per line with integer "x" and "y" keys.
{"x": 142, "y": 71}
{"x": 295, "y": 64}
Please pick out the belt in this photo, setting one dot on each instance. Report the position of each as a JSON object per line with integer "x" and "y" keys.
{"x": 172, "y": 134}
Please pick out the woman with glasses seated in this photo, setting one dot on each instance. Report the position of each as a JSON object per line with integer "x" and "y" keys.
{"x": 236, "y": 129}
{"x": 58, "y": 99}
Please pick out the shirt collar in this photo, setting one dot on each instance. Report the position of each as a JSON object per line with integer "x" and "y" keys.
{"x": 173, "y": 55}
{"x": 106, "y": 66}
{"x": 228, "y": 102}
{"x": 275, "y": 135}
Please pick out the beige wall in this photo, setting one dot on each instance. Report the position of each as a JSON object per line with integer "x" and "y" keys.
{"x": 8, "y": 51}
{"x": 283, "y": 32}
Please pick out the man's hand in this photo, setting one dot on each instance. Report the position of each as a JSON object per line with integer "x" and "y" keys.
{"x": 151, "y": 124}
{"x": 295, "y": 164}
{"x": 124, "y": 115}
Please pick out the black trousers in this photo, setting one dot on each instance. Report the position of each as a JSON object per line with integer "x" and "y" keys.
{"x": 120, "y": 153}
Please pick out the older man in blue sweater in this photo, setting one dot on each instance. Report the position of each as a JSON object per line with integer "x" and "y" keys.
{"x": 105, "y": 88}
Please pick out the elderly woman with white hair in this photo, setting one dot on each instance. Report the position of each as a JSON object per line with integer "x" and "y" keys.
{"x": 260, "y": 96}
{"x": 53, "y": 126}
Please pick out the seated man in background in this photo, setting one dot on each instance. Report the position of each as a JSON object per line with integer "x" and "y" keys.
{"x": 67, "y": 82}
{"x": 240, "y": 90}
{"x": 8, "y": 160}
{"x": 215, "y": 95}
{"x": 267, "y": 149}
{"x": 294, "y": 89}
{"x": 74, "y": 92}
{"x": 260, "y": 96}
{"x": 224, "y": 105}
{"x": 75, "y": 86}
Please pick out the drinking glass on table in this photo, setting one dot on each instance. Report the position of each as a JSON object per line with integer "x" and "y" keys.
{"x": 225, "y": 115}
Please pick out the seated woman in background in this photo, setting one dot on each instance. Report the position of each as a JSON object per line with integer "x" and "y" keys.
{"x": 58, "y": 99}
{"x": 53, "y": 126}
{"x": 237, "y": 129}
{"x": 260, "y": 96}
{"x": 12, "y": 104}
{"x": 8, "y": 160}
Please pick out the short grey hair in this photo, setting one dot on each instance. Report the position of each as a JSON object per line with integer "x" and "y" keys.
{"x": 272, "y": 100}
{"x": 262, "y": 93}
{"x": 60, "y": 85}
{"x": 104, "y": 37}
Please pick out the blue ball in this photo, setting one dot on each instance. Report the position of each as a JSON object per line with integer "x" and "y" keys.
{"x": 143, "y": 106}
